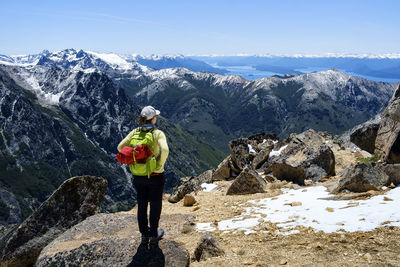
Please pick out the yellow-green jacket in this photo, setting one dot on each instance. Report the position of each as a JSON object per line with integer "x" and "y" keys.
{"x": 160, "y": 147}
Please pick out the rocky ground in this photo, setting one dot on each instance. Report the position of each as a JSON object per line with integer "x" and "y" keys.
{"x": 375, "y": 248}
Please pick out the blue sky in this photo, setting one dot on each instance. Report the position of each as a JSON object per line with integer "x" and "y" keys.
{"x": 201, "y": 27}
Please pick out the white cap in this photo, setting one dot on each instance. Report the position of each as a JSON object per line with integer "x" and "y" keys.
{"x": 149, "y": 112}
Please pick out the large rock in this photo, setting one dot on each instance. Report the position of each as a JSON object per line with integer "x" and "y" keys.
{"x": 189, "y": 185}
{"x": 114, "y": 240}
{"x": 248, "y": 182}
{"x": 306, "y": 156}
{"x": 223, "y": 171}
{"x": 387, "y": 143}
{"x": 362, "y": 177}
{"x": 75, "y": 200}
{"x": 245, "y": 150}
{"x": 364, "y": 136}
{"x": 393, "y": 171}
{"x": 240, "y": 151}
{"x": 262, "y": 156}
{"x": 207, "y": 247}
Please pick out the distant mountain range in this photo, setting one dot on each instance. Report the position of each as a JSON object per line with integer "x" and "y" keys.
{"x": 63, "y": 114}
{"x": 374, "y": 67}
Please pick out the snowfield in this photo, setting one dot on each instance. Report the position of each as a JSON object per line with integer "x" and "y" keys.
{"x": 308, "y": 207}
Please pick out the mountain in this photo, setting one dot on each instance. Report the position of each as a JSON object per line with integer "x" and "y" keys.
{"x": 57, "y": 123}
{"x": 219, "y": 108}
{"x": 59, "y": 109}
{"x": 378, "y": 67}
{"x": 180, "y": 61}
{"x": 107, "y": 62}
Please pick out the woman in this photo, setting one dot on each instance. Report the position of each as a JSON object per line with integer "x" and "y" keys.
{"x": 150, "y": 189}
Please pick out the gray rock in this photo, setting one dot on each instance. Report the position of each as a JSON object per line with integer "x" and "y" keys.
{"x": 114, "y": 240}
{"x": 393, "y": 171}
{"x": 364, "y": 137}
{"x": 263, "y": 155}
{"x": 306, "y": 156}
{"x": 76, "y": 199}
{"x": 387, "y": 143}
{"x": 223, "y": 171}
{"x": 283, "y": 171}
{"x": 240, "y": 152}
{"x": 248, "y": 182}
{"x": 189, "y": 185}
{"x": 207, "y": 247}
{"x": 362, "y": 177}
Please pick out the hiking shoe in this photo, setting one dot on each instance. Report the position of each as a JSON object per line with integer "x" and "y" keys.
{"x": 160, "y": 233}
{"x": 154, "y": 240}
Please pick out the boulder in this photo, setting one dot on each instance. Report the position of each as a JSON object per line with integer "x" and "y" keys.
{"x": 189, "y": 200}
{"x": 283, "y": 171}
{"x": 364, "y": 136}
{"x": 306, "y": 156}
{"x": 223, "y": 171}
{"x": 262, "y": 156}
{"x": 207, "y": 247}
{"x": 75, "y": 200}
{"x": 189, "y": 185}
{"x": 114, "y": 240}
{"x": 393, "y": 171}
{"x": 362, "y": 177}
{"x": 252, "y": 151}
{"x": 248, "y": 182}
{"x": 387, "y": 144}
{"x": 240, "y": 151}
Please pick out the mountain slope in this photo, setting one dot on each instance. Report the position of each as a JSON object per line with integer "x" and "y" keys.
{"x": 218, "y": 108}
{"x": 56, "y": 124}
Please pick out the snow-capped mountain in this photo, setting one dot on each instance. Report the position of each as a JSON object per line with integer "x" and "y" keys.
{"x": 57, "y": 108}
{"x": 113, "y": 64}
{"x": 23, "y": 60}
{"x": 58, "y": 123}
{"x": 220, "y": 107}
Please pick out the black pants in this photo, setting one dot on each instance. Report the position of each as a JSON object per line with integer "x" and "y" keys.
{"x": 149, "y": 190}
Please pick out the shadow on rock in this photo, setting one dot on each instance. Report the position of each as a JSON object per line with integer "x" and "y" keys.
{"x": 146, "y": 256}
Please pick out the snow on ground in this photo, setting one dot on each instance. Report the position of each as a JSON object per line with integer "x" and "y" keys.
{"x": 277, "y": 152}
{"x": 208, "y": 187}
{"x": 306, "y": 207}
{"x": 43, "y": 96}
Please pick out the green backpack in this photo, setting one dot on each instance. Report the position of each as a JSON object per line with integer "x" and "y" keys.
{"x": 144, "y": 161}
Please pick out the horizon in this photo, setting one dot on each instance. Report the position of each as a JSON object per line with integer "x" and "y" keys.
{"x": 296, "y": 55}
{"x": 286, "y": 27}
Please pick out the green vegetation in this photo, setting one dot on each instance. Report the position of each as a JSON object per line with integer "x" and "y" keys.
{"x": 290, "y": 93}
{"x": 374, "y": 158}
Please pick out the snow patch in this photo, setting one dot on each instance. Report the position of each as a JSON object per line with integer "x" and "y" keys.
{"x": 43, "y": 96}
{"x": 251, "y": 150}
{"x": 112, "y": 59}
{"x": 208, "y": 187}
{"x": 276, "y": 153}
{"x": 316, "y": 212}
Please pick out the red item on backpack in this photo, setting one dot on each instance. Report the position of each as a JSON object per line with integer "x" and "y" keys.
{"x": 125, "y": 156}
{"x": 142, "y": 152}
